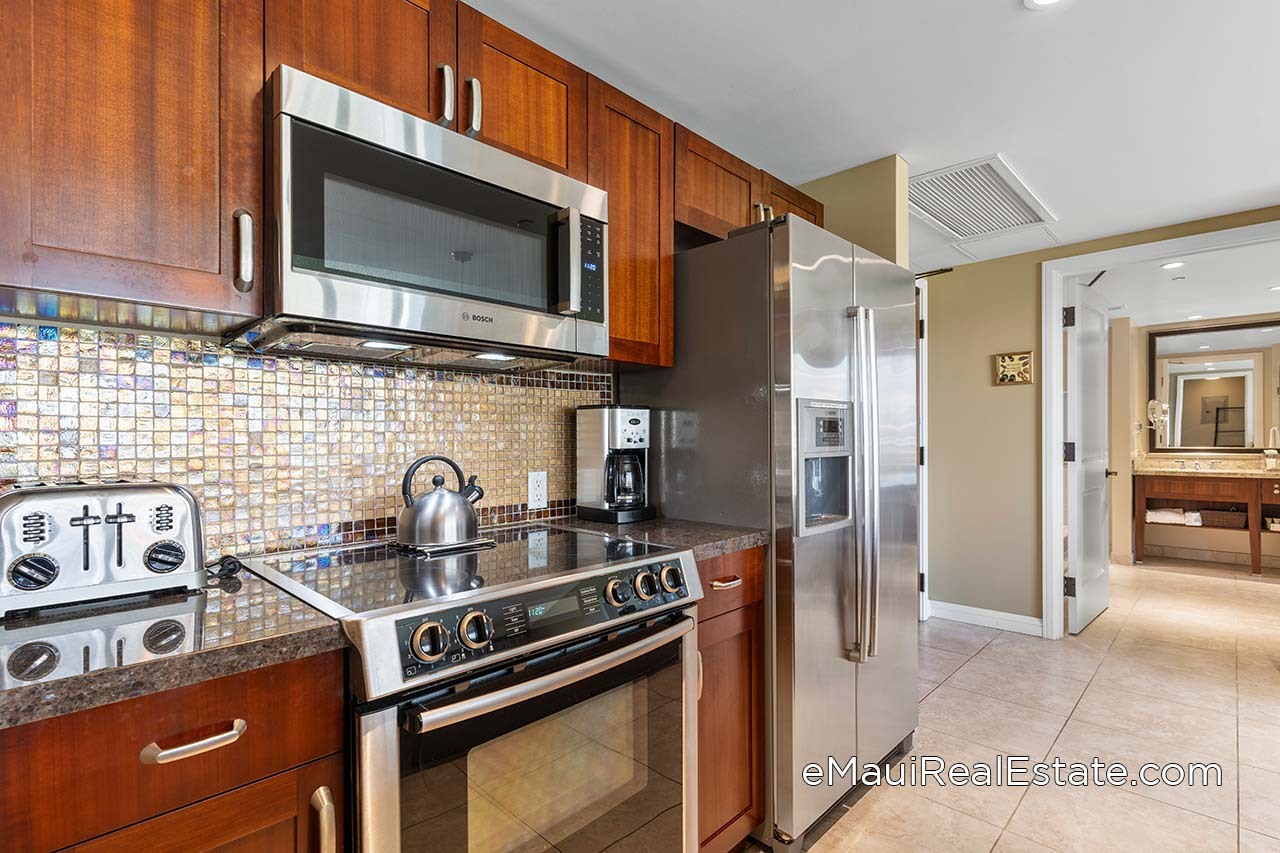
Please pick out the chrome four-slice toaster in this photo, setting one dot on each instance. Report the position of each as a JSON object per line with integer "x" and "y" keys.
{"x": 63, "y": 543}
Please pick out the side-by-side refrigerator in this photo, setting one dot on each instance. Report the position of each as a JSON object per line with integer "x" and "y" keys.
{"x": 792, "y": 407}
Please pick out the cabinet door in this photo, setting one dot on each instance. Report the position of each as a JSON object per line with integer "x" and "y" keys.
{"x": 390, "y": 50}
{"x": 289, "y": 811}
{"x": 784, "y": 198}
{"x": 731, "y": 728}
{"x": 631, "y": 158}
{"x": 532, "y": 102}
{"x": 715, "y": 191}
{"x": 132, "y": 135}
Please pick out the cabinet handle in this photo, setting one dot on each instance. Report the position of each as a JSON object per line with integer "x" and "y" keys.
{"x": 477, "y": 107}
{"x": 244, "y": 262}
{"x": 699, "y": 676}
{"x": 446, "y": 110}
{"x": 327, "y": 812}
{"x": 153, "y": 754}
{"x": 731, "y": 582}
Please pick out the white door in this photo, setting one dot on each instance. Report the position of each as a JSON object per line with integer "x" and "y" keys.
{"x": 1088, "y": 559}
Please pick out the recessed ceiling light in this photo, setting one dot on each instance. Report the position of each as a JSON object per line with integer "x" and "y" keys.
{"x": 1210, "y": 363}
{"x": 495, "y": 356}
{"x": 1037, "y": 5}
{"x": 1196, "y": 317}
{"x": 1211, "y": 368}
{"x": 1204, "y": 346}
{"x": 383, "y": 345}
{"x": 1212, "y": 378}
{"x": 1277, "y": 287}
{"x": 1173, "y": 265}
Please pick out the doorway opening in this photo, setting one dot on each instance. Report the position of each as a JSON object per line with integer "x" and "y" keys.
{"x": 1158, "y": 407}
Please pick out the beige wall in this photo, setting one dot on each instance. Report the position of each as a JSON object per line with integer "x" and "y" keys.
{"x": 868, "y": 206}
{"x": 984, "y": 441}
{"x": 1195, "y": 432}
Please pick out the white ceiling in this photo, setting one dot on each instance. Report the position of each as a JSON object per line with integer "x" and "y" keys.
{"x": 1233, "y": 282}
{"x": 1119, "y": 114}
{"x": 1232, "y": 340}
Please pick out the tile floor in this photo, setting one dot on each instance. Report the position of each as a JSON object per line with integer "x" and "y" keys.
{"x": 1184, "y": 666}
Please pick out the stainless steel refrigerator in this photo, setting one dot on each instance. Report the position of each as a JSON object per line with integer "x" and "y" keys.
{"x": 792, "y": 406}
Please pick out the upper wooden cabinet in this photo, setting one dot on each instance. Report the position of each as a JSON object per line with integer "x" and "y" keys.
{"x": 391, "y": 50}
{"x": 715, "y": 191}
{"x": 132, "y": 136}
{"x": 531, "y": 102}
{"x": 783, "y": 198}
{"x": 631, "y": 158}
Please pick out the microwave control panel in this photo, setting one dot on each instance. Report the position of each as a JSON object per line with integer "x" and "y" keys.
{"x": 593, "y": 270}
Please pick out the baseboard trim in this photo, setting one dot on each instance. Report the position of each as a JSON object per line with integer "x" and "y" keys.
{"x": 987, "y": 618}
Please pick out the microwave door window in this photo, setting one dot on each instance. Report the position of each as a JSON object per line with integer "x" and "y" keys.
{"x": 360, "y": 211}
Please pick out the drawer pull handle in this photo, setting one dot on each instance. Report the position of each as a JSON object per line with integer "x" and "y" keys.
{"x": 732, "y": 582}
{"x": 153, "y": 754}
{"x": 327, "y": 812}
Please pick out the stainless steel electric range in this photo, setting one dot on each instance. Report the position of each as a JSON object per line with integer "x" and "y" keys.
{"x": 538, "y": 694}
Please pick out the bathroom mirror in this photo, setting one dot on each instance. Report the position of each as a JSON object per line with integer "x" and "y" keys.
{"x": 1212, "y": 386}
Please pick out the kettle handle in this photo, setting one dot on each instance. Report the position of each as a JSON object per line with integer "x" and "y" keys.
{"x": 472, "y": 492}
{"x": 406, "y": 488}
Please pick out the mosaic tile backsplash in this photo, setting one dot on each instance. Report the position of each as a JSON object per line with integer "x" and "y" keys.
{"x": 281, "y": 452}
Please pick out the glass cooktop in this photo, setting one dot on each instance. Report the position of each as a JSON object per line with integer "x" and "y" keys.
{"x": 361, "y": 578}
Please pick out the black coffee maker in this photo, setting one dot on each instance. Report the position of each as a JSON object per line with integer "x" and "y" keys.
{"x": 613, "y": 464}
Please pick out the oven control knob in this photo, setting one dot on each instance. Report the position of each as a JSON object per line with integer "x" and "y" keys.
{"x": 429, "y": 642}
{"x": 475, "y": 630}
{"x": 646, "y": 584}
{"x": 672, "y": 578}
{"x": 164, "y": 557}
{"x": 617, "y": 592}
{"x": 32, "y": 572}
{"x": 33, "y": 661}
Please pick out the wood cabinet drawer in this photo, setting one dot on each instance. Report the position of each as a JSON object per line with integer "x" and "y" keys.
{"x": 282, "y": 813}
{"x": 292, "y": 713}
{"x": 730, "y": 581}
{"x": 1200, "y": 488}
{"x": 1271, "y": 491}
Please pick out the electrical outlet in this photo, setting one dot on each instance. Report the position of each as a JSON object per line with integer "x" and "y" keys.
{"x": 537, "y": 490}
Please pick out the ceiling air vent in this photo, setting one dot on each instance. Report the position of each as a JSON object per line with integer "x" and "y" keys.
{"x": 976, "y": 199}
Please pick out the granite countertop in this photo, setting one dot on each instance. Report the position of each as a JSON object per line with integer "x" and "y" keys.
{"x": 237, "y": 624}
{"x": 705, "y": 539}
{"x": 1205, "y": 471}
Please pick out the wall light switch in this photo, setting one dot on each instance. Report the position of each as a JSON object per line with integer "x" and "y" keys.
{"x": 537, "y": 490}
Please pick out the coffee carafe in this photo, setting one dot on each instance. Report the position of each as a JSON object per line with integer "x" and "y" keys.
{"x": 613, "y": 462}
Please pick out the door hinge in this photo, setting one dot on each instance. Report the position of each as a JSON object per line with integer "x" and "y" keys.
{"x": 920, "y": 457}
{"x": 920, "y": 329}
{"x": 1068, "y": 316}
{"x": 1068, "y": 451}
{"x": 1069, "y": 587}
{"x": 922, "y": 581}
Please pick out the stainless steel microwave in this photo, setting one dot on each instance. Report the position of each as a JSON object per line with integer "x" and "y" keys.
{"x": 398, "y": 240}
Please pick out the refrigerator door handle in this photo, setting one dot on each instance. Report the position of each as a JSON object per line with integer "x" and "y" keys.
{"x": 861, "y": 646}
{"x": 871, "y": 398}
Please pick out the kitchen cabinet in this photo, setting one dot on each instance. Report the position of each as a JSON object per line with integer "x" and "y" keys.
{"x": 731, "y": 712}
{"x": 298, "y": 810}
{"x": 715, "y": 191}
{"x": 783, "y": 198}
{"x": 399, "y": 52}
{"x": 631, "y": 157}
{"x": 133, "y": 150}
{"x": 288, "y": 715}
{"x": 523, "y": 98}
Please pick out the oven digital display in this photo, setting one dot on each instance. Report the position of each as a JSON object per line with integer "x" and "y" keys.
{"x": 553, "y": 609}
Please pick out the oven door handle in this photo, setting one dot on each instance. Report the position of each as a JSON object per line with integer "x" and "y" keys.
{"x": 427, "y": 720}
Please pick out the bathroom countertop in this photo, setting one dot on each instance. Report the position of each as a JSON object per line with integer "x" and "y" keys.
{"x": 233, "y": 625}
{"x": 1237, "y": 473}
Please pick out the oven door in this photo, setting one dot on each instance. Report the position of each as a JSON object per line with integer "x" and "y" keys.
{"x": 582, "y": 748}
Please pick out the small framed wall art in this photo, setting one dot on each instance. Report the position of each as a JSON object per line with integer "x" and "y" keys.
{"x": 1013, "y": 368}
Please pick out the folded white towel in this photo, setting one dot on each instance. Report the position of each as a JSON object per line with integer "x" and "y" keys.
{"x": 1193, "y": 519}
{"x": 1166, "y": 516}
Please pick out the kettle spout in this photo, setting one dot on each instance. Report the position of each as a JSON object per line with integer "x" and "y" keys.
{"x": 471, "y": 491}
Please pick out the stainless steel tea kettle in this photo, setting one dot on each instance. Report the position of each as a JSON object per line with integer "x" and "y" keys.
{"x": 440, "y": 517}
